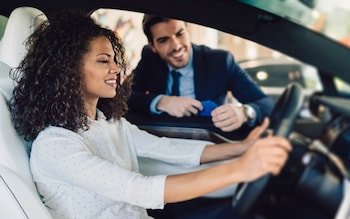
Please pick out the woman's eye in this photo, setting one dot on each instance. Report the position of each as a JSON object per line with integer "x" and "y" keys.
{"x": 103, "y": 61}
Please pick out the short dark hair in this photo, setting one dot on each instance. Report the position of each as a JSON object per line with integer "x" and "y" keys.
{"x": 150, "y": 20}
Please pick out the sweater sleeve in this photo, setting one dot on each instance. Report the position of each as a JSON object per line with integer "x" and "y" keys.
{"x": 60, "y": 157}
{"x": 183, "y": 152}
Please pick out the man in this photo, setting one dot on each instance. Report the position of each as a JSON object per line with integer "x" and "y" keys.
{"x": 205, "y": 77}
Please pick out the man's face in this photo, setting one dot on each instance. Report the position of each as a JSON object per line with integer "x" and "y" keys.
{"x": 172, "y": 42}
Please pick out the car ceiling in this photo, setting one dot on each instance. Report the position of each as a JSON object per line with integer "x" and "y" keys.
{"x": 235, "y": 18}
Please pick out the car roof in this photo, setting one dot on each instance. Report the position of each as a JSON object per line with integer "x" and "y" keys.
{"x": 230, "y": 16}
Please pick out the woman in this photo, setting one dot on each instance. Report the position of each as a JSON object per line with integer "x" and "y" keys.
{"x": 69, "y": 102}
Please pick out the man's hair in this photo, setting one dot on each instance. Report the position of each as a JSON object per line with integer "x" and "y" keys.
{"x": 150, "y": 20}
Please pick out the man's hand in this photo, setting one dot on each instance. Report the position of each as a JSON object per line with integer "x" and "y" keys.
{"x": 179, "y": 106}
{"x": 228, "y": 117}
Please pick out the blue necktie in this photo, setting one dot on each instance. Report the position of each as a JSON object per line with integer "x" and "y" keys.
{"x": 175, "y": 87}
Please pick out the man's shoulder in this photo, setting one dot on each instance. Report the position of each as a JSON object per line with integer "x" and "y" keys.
{"x": 147, "y": 50}
{"x": 148, "y": 56}
{"x": 209, "y": 50}
{"x": 207, "y": 53}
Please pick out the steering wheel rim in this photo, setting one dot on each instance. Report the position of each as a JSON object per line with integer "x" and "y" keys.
{"x": 282, "y": 121}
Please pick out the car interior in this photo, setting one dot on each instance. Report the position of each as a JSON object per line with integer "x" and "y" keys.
{"x": 20, "y": 198}
{"x": 310, "y": 185}
{"x": 16, "y": 181}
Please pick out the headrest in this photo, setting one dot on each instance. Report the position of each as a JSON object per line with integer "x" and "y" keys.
{"x": 20, "y": 25}
{"x": 4, "y": 70}
{"x": 6, "y": 87}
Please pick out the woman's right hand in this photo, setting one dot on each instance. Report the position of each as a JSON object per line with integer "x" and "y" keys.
{"x": 265, "y": 155}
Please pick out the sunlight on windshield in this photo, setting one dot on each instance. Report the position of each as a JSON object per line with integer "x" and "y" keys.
{"x": 330, "y": 17}
{"x": 342, "y": 86}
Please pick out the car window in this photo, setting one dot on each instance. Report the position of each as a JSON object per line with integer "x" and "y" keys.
{"x": 128, "y": 25}
{"x": 269, "y": 74}
{"x": 3, "y": 22}
{"x": 269, "y": 68}
{"x": 342, "y": 87}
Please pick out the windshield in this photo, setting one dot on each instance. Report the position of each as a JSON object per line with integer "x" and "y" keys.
{"x": 330, "y": 17}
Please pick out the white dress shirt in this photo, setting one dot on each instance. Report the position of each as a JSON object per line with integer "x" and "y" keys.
{"x": 95, "y": 174}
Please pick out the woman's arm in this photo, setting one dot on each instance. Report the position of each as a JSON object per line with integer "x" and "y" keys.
{"x": 225, "y": 151}
{"x": 266, "y": 155}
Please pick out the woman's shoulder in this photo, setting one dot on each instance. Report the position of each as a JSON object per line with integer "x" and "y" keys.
{"x": 55, "y": 137}
{"x": 55, "y": 131}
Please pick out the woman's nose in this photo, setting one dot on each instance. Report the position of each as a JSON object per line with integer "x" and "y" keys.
{"x": 114, "y": 68}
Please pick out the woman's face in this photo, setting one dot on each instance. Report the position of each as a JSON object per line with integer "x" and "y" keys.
{"x": 100, "y": 71}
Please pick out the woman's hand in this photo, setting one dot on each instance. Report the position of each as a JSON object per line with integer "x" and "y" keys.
{"x": 261, "y": 156}
{"x": 231, "y": 150}
{"x": 254, "y": 135}
{"x": 265, "y": 155}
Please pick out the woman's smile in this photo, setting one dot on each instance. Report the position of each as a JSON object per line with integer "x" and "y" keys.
{"x": 112, "y": 82}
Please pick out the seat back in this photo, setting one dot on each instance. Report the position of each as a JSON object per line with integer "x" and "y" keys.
{"x": 21, "y": 23}
{"x": 13, "y": 152}
{"x": 19, "y": 196}
{"x": 17, "y": 199}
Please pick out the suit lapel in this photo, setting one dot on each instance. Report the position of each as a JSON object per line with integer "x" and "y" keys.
{"x": 199, "y": 72}
{"x": 160, "y": 74}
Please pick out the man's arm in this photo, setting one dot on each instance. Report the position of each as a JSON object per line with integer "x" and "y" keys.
{"x": 179, "y": 106}
{"x": 252, "y": 104}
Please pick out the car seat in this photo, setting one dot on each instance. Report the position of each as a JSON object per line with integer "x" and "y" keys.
{"x": 19, "y": 196}
{"x": 21, "y": 23}
{"x": 4, "y": 70}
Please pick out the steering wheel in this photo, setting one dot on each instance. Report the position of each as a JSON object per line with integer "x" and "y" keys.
{"x": 282, "y": 122}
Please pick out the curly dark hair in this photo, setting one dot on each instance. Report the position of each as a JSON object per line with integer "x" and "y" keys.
{"x": 49, "y": 78}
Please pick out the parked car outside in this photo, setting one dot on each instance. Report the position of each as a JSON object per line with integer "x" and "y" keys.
{"x": 274, "y": 74}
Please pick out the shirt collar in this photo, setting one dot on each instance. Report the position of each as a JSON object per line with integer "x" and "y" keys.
{"x": 99, "y": 116}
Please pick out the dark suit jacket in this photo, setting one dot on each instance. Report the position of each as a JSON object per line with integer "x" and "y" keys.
{"x": 215, "y": 73}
